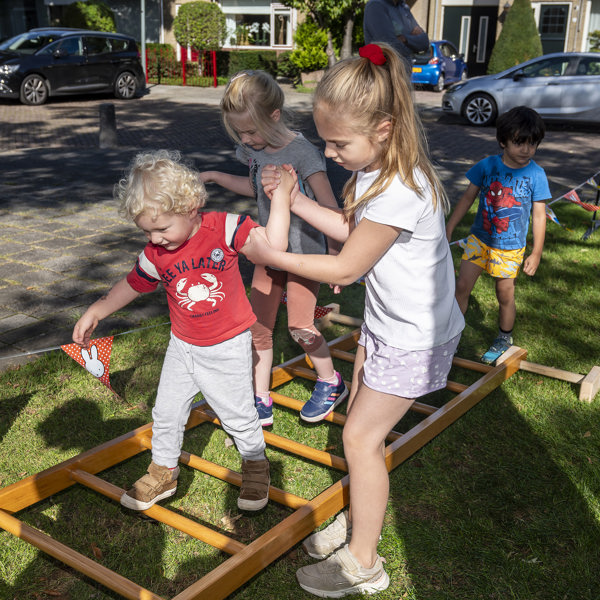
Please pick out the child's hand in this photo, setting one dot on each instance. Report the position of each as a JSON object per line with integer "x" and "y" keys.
{"x": 82, "y": 332}
{"x": 270, "y": 179}
{"x": 288, "y": 180}
{"x": 532, "y": 262}
{"x": 273, "y": 176}
{"x": 206, "y": 176}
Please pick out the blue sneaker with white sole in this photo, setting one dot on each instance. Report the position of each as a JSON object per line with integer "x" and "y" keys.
{"x": 324, "y": 399}
{"x": 265, "y": 410}
{"x": 499, "y": 346}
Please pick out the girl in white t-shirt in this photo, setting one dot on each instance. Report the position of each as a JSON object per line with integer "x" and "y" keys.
{"x": 393, "y": 231}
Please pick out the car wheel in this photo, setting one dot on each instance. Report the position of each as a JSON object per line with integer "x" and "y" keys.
{"x": 480, "y": 110}
{"x": 34, "y": 90}
{"x": 126, "y": 86}
{"x": 441, "y": 82}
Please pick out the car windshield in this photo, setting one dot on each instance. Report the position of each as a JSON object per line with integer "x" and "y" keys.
{"x": 28, "y": 43}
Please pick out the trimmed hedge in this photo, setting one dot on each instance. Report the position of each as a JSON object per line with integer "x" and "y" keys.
{"x": 162, "y": 65}
{"x": 519, "y": 39}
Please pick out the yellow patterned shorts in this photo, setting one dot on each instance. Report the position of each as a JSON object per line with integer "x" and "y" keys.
{"x": 503, "y": 264}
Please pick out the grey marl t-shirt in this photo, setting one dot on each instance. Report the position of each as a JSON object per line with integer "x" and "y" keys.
{"x": 307, "y": 159}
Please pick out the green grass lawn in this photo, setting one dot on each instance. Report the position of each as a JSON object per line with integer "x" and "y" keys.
{"x": 504, "y": 504}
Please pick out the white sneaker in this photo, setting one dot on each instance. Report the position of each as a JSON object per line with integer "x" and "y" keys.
{"x": 341, "y": 574}
{"x": 322, "y": 543}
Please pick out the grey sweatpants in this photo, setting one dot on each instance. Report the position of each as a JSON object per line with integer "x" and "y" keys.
{"x": 223, "y": 373}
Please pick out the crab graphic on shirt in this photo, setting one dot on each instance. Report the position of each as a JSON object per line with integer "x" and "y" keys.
{"x": 498, "y": 197}
{"x": 188, "y": 295}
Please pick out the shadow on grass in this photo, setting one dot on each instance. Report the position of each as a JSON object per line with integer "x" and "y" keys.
{"x": 97, "y": 527}
{"x": 10, "y": 409}
{"x": 495, "y": 514}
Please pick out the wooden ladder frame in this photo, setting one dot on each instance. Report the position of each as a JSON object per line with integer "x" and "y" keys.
{"x": 246, "y": 560}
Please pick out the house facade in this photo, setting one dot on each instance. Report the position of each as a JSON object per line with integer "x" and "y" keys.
{"x": 472, "y": 25}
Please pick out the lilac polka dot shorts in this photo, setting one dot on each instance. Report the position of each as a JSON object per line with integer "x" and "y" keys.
{"x": 405, "y": 373}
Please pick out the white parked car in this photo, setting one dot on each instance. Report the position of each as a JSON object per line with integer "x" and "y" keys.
{"x": 561, "y": 86}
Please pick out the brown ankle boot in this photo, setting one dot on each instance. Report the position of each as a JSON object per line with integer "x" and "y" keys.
{"x": 157, "y": 484}
{"x": 254, "y": 493}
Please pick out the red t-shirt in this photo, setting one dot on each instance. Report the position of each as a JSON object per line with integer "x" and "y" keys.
{"x": 206, "y": 295}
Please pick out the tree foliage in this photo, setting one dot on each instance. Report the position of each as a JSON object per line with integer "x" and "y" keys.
{"x": 595, "y": 41}
{"x": 200, "y": 25}
{"x": 519, "y": 39}
{"x": 93, "y": 15}
{"x": 310, "y": 41}
{"x": 336, "y": 17}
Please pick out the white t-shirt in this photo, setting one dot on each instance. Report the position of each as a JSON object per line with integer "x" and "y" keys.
{"x": 410, "y": 301}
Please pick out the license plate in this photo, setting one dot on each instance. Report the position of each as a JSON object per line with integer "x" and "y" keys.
{"x": 417, "y": 69}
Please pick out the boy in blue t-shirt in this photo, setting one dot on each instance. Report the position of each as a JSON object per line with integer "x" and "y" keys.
{"x": 511, "y": 188}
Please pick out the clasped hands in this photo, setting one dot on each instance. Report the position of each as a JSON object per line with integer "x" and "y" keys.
{"x": 280, "y": 183}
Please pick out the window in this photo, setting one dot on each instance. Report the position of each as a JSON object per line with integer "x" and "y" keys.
{"x": 119, "y": 45}
{"x": 258, "y": 23}
{"x": 97, "y": 45}
{"x": 551, "y": 67}
{"x": 589, "y": 66}
{"x": 553, "y": 20}
{"x": 72, "y": 46}
{"x": 283, "y": 29}
{"x": 482, "y": 38}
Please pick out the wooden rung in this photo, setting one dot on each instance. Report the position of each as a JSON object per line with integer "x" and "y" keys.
{"x": 162, "y": 514}
{"x": 324, "y": 458}
{"x": 453, "y": 386}
{"x": 424, "y": 409}
{"x": 345, "y": 320}
{"x": 333, "y": 417}
{"x": 287, "y": 402}
{"x": 79, "y": 562}
{"x": 472, "y": 365}
{"x": 590, "y": 385}
{"x": 343, "y": 355}
{"x": 318, "y": 456}
{"x": 551, "y": 372}
{"x": 200, "y": 464}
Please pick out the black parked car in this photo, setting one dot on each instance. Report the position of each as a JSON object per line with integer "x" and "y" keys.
{"x": 48, "y": 62}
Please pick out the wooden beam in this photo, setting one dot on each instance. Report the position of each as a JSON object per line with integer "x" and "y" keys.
{"x": 113, "y": 581}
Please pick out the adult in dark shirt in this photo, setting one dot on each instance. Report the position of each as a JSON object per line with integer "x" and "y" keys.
{"x": 392, "y": 22}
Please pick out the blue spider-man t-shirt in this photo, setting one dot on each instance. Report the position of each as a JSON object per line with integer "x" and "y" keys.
{"x": 505, "y": 201}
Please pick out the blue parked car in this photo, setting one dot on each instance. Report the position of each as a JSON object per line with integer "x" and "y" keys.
{"x": 438, "y": 66}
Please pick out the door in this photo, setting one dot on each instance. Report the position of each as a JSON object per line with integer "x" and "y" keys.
{"x": 482, "y": 37}
{"x": 66, "y": 65}
{"x": 472, "y": 29}
{"x": 100, "y": 62}
{"x": 553, "y": 27}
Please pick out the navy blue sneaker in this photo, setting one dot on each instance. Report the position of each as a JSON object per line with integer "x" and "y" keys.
{"x": 265, "y": 410}
{"x": 499, "y": 346}
{"x": 324, "y": 399}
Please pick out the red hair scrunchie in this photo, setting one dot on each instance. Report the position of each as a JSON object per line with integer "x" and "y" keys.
{"x": 374, "y": 53}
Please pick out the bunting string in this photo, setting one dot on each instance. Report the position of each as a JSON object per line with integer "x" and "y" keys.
{"x": 573, "y": 196}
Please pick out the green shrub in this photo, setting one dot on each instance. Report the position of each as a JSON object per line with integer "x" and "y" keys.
{"x": 92, "y": 15}
{"x": 285, "y": 66}
{"x": 595, "y": 41}
{"x": 200, "y": 25}
{"x": 161, "y": 62}
{"x": 311, "y": 42}
{"x": 519, "y": 39}
{"x": 265, "y": 60}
